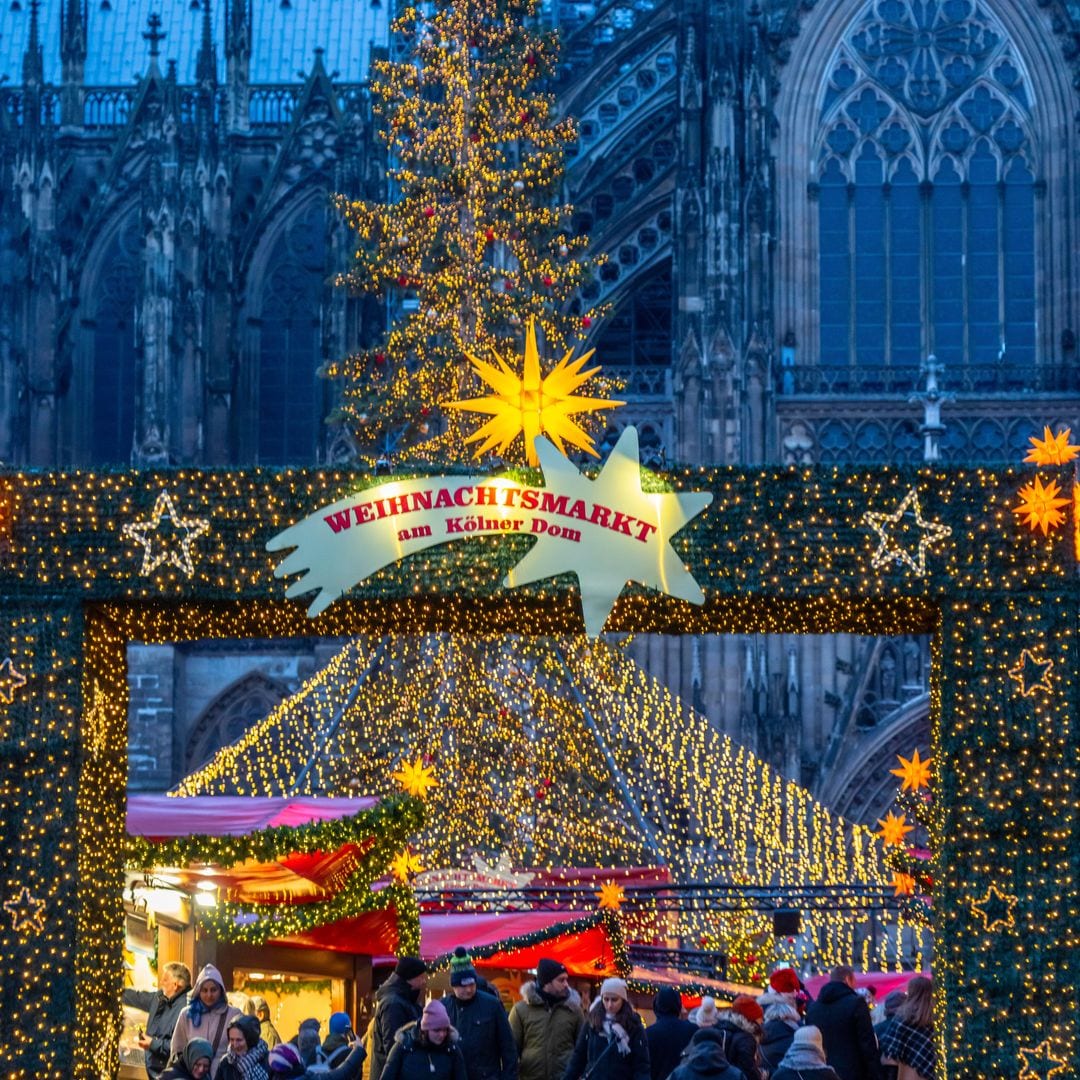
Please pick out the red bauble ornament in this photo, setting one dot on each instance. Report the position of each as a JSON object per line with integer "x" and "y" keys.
{"x": 474, "y": 136}
{"x": 530, "y": 59}
{"x": 402, "y": 280}
{"x": 489, "y": 235}
{"x": 586, "y": 321}
{"x": 751, "y": 959}
{"x": 380, "y": 359}
{"x": 508, "y": 286}
{"x": 429, "y": 211}
{"x": 524, "y": 117}
{"x": 548, "y": 281}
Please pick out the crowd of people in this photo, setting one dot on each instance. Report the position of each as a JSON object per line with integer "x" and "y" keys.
{"x": 194, "y": 1032}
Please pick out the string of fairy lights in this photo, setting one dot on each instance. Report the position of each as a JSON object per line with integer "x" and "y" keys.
{"x": 555, "y": 753}
{"x": 472, "y": 243}
{"x": 778, "y": 550}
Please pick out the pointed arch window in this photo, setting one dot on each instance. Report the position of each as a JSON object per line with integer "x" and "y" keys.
{"x": 638, "y": 333}
{"x": 290, "y": 408}
{"x": 926, "y": 189}
{"x": 113, "y": 383}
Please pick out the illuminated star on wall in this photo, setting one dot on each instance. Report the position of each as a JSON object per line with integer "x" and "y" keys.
{"x": 606, "y": 559}
{"x": 166, "y": 537}
{"x": 1032, "y": 674}
{"x": 895, "y": 534}
{"x": 996, "y": 909}
{"x": 1040, "y": 1062}
{"x": 611, "y": 896}
{"x": 27, "y": 913}
{"x": 11, "y": 679}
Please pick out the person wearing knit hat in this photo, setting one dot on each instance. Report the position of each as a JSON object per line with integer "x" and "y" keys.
{"x": 705, "y": 1058}
{"x": 192, "y": 1064}
{"x": 246, "y": 1058}
{"x": 426, "y": 1049}
{"x": 545, "y": 1023}
{"x": 397, "y": 1003}
{"x": 782, "y": 1017}
{"x": 785, "y": 981}
{"x": 741, "y": 1027}
{"x": 484, "y": 1035}
{"x": 805, "y": 1059}
{"x": 284, "y": 1061}
{"x": 669, "y": 1035}
{"x": 339, "y": 1038}
{"x": 612, "y": 1044}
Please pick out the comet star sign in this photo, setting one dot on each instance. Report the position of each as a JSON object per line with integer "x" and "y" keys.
{"x": 607, "y": 531}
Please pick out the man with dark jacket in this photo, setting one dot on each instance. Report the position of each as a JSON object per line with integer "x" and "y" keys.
{"x": 397, "y": 1003}
{"x": 705, "y": 1059}
{"x": 740, "y": 1029}
{"x": 846, "y": 1028}
{"x": 669, "y": 1035}
{"x": 162, "y": 1006}
{"x": 484, "y": 1035}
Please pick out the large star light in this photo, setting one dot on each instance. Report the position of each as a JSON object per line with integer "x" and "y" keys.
{"x": 606, "y": 559}
{"x": 531, "y": 405}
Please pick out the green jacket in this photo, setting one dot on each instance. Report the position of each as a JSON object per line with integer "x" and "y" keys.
{"x": 545, "y": 1034}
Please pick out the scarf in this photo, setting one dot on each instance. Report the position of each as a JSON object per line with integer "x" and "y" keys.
{"x": 803, "y": 1057}
{"x": 551, "y": 1000}
{"x": 251, "y": 1065}
{"x": 197, "y": 1010}
{"x": 617, "y": 1033}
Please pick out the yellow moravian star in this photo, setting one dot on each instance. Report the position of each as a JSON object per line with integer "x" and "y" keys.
{"x": 893, "y": 829}
{"x": 530, "y": 404}
{"x": 611, "y": 896}
{"x": 915, "y": 772}
{"x": 415, "y": 778}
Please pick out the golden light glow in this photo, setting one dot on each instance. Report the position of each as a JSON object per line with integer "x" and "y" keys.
{"x": 903, "y": 884}
{"x": 894, "y": 532}
{"x": 27, "y": 913}
{"x": 532, "y": 404}
{"x": 914, "y": 772}
{"x": 11, "y": 679}
{"x": 1032, "y": 673}
{"x": 166, "y": 537}
{"x": 1005, "y": 905}
{"x": 1041, "y": 505}
{"x": 1052, "y": 449}
{"x": 1041, "y": 1062}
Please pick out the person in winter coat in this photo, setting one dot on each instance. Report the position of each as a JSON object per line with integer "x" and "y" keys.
{"x": 805, "y": 1059}
{"x": 909, "y": 1043}
{"x": 846, "y": 1028}
{"x": 546, "y": 1022}
{"x": 193, "y": 1064}
{"x": 740, "y": 1025}
{"x": 705, "y": 1059}
{"x": 206, "y": 1016}
{"x": 397, "y": 1003}
{"x": 706, "y": 1014}
{"x": 781, "y": 1016}
{"x": 335, "y": 1047}
{"x": 270, "y": 1034}
{"x": 612, "y": 1043}
{"x": 669, "y": 1036}
{"x": 247, "y": 1054}
{"x": 286, "y": 1063}
{"x": 484, "y": 1035}
{"x": 427, "y": 1049}
{"x": 162, "y": 1007}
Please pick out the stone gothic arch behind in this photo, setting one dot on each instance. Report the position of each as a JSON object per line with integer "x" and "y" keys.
{"x": 914, "y": 143}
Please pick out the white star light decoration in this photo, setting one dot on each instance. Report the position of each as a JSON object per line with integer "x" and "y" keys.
{"x": 890, "y": 547}
{"x": 606, "y": 561}
{"x": 27, "y": 913}
{"x": 159, "y": 548}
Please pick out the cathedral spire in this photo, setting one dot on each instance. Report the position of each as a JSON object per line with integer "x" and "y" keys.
{"x": 206, "y": 65}
{"x": 73, "y": 20}
{"x": 33, "y": 65}
{"x": 155, "y": 36}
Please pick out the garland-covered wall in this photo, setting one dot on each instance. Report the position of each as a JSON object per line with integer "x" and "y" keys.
{"x": 89, "y": 562}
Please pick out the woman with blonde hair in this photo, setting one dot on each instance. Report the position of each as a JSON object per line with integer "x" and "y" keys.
{"x": 909, "y": 1044}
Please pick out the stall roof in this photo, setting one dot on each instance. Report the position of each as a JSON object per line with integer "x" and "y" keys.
{"x": 691, "y": 987}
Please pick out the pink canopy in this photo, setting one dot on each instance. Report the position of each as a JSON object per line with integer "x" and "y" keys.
{"x": 161, "y": 817}
{"x": 883, "y": 982}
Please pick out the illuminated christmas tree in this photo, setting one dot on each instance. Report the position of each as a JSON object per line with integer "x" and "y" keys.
{"x": 471, "y": 245}
{"x": 746, "y": 939}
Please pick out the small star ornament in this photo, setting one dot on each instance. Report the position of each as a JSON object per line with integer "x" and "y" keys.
{"x": 1040, "y": 1062}
{"x": 166, "y": 537}
{"x": 611, "y": 896}
{"x": 997, "y": 909}
{"x": 1032, "y": 674}
{"x": 913, "y": 771}
{"x": 894, "y": 829}
{"x": 893, "y": 544}
{"x": 416, "y": 778}
{"x": 27, "y": 913}
{"x": 405, "y": 865}
{"x": 11, "y": 679}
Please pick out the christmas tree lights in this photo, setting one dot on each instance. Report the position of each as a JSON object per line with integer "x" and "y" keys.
{"x": 472, "y": 244}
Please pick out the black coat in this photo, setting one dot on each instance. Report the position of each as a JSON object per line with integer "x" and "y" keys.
{"x": 775, "y": 1040}
{"x": 667, "y": 1039}
{"x": 706, "y": 1061}
{"x": 410, "y": 1060}
{"x": 824, "y": 1073}
{"x": 396, "y": 1005}
{"x": 847, "y": 1032}
{"x": 596, "y": 1054}
{"x": 740, "y": 1043}
{"x": 160, "y": 1021}
{"x": 484, "y": 1036}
